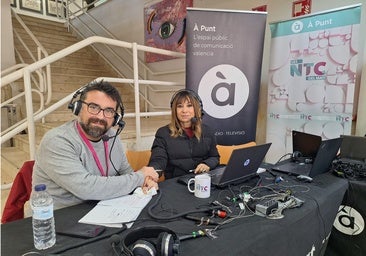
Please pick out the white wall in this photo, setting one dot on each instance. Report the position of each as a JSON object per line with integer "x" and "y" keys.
{"x": 7, "y": 52}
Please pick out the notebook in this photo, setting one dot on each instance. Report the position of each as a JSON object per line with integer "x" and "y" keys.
{"x": 305, "y": 143}
{"x": 353, "y": 147}
{"x": 243, "y": 164}
{"x": 326, "y": 153}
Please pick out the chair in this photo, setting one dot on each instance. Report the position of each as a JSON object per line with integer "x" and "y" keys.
{"x": 139, "y": 159}
{"x": 19, "y": 193}
{"x": 225, "y": 151}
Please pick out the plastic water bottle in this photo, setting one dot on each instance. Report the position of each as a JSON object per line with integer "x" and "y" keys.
{"x": 43, "y": 221}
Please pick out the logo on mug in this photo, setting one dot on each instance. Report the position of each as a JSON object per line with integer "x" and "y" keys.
{"x": 201, "y": 188}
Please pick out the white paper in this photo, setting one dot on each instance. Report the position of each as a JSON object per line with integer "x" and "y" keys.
{"x": 114, "y": 212}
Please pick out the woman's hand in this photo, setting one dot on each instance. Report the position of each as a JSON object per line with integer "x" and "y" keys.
{"x": 150, "y": 172}
{"x": 202, "y": 168}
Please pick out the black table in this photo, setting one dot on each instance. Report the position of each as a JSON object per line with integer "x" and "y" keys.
{"x": 302, "y": 230}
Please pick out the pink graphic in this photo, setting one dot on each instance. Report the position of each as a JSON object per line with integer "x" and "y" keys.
{"x": 165, "y": 27}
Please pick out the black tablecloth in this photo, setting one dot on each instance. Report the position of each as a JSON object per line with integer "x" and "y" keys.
{"x": 302, "y": 230}
{"x": 348, "y": 235}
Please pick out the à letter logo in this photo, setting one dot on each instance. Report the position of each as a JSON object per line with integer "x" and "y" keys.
{"x": 224, "y": 91}
{"x": 349, "y": 221}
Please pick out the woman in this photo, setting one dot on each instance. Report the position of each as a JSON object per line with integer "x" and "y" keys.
{"x": 186, "y": 144}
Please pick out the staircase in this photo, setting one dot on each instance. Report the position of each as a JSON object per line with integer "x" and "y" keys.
{"x": 68, "y": 74}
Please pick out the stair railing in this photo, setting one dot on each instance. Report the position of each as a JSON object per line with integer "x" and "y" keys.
{"x": 45, "y": 82}
{"x": 11, "y": 70}
{"x": 26, "y": 72}
{"x": 75, "y": 11}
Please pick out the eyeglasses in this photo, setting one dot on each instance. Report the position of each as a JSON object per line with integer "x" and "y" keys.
{"x": 95, "y": 109}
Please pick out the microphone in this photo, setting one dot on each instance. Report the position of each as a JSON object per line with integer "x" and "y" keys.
{"x": 106, "y": 137}
{"x": 194, "y": 120}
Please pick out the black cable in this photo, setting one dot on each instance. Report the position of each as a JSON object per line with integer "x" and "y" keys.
{"x": 119, "y": 130}
{"x": 322, "y": 221}
{"x": 85, "y": 242}
{"x": 115, "y": 242}
{"x": 288, "y": 154}
{"x": 154, "y": 216}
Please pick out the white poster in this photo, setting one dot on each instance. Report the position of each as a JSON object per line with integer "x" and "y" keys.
{"x": 312, "y": 77}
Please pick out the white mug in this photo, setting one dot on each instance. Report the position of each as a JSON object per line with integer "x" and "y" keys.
{"x": 202, "y": 185}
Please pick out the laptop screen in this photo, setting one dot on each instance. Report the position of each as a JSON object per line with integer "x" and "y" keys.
{"x": 305, "y": 143}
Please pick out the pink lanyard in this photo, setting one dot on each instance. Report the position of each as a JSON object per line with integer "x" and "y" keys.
{"x": 91, "y": 148}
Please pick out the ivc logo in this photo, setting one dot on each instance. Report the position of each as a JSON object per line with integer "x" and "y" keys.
{"x": 224, "y": 91}
{"x": 201, "y": 188}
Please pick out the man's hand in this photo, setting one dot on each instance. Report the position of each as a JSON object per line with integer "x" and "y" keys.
{"x": 148, "y": 184}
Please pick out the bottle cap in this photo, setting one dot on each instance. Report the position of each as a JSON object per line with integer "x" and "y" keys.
{"x": 40, "y": 187}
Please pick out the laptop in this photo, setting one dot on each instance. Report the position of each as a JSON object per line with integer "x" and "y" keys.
{"x": 305, "y": 143}
{"x": 325, "y": 155}
{"x": 242, "y": 165}
{"x": 353, "y": 147}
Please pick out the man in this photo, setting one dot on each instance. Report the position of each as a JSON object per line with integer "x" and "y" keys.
{"x": 84, "y": 159}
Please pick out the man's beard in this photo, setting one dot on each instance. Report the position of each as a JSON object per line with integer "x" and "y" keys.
{"x": 94, "y": 131}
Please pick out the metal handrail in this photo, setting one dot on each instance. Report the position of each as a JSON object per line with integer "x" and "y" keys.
{"x": 147, "y": 70}
{"x": 41, "y": 51}
{"x": 25, "y": 73}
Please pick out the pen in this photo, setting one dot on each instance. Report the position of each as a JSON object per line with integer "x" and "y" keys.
{"x": 191, "y": 170}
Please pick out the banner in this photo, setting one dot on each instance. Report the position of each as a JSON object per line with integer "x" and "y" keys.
{"x": 312, "y": 73}
{"x": 223, "y": 65}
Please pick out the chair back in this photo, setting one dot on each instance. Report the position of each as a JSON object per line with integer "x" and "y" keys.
{"x": 139, "y": 159}
{"x": 225, "y": 151}
{"x": 19, "y": 193}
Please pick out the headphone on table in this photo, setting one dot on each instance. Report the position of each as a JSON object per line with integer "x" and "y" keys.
{"x": 151, "y": 241}
{"x": 190, "y": 92}
{"x": 295, "y": 156}
{"x": 75, "y": 106}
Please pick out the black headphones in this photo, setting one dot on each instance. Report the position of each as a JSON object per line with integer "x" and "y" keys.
{"x": 187, "y": 91}
{"x": 75, "y": 107}
{"x": 151, "y": 241}
{"x": 296, "y": 155}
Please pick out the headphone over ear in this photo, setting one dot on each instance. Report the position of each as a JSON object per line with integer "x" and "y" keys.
{"x": 190, "y": 92}
{"x": 75, "y": 106}
{"x": 140, "y": 242}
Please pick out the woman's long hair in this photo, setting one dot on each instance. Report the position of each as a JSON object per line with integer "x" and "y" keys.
{"x": 175, "y": 127}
